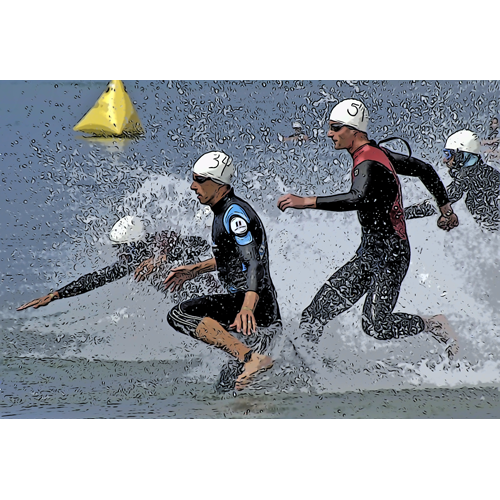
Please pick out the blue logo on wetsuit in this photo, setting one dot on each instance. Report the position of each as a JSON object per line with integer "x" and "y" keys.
{"x": 236, "y": 222}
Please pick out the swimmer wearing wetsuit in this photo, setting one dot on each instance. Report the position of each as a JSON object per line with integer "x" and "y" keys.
{"x": 137, "y": 251}
{"x": 130, "y": 256}
{"x": 479, "y": 182}
{"x": 242, "y": 260}
{"x": 381, "y": 262}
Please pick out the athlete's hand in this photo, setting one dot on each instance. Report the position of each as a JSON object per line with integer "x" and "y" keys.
{"x": 42, "y": 301}
{"x": 448, "y": 223}
{"x": 177, "y": 277}
{"x": 294, "y": 201}
{"x": 144, "y": 269}
{"x": 245, "y": 322}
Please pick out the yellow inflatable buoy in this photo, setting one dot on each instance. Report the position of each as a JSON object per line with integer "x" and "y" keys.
{"x": 112, "y": 115}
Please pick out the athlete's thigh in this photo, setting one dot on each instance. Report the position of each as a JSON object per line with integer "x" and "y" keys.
{"x": 342, "y": 290}
{"x": 385, "y": 285}
{"x": 221, "y": 307}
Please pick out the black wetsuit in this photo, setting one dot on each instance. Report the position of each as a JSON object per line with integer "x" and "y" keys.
{"x": 481, "y": 184}
{"x": 132, "y": 254}
{"x": 381, "y": 262}
{"x": 239, "y": 246}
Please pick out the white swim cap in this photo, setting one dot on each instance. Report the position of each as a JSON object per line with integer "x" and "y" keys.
{"x": 215, "y": 165}
{"x": 351, "y": 112}
{"x": 464, "y": 140}
{"x": 127, "y": 230}
{"x": 296, "y": 125}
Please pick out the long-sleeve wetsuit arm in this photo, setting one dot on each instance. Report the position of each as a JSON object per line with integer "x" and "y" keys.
{"x": 361, "y": 188}
{"x": 455, "y": 191}
{"x": 255, "y": 269}
{"x": 419, "y": 210}
{"x": 426, "y": 208}
{"x": 96, "y": 279}
{"x": 417, "y": 168}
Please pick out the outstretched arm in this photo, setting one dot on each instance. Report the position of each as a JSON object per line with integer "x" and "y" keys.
{"x": 192, "y": 246}
{"x": 42, "y": 301}
{"x": 83, "y": 284}
{"x": 146, "y": 267}
{"x": 96, "y": 279}
{"x": 294, "y": 201}
{"x": 353, "y": 200}
{"x": 179, "y": 275}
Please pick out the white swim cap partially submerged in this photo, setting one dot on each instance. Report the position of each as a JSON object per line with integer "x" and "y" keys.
{"x": 127, "y": 230}
{"x": 352, "y": 113}
{"x": 296, "y": 125}
{"x": 215, "y": 165}
{"x": 464, "y": 140}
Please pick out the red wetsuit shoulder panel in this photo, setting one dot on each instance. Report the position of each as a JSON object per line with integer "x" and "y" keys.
{"x": 368, "y": 152}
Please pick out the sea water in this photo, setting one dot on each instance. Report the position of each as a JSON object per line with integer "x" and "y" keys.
{"x": 111, "y": 353}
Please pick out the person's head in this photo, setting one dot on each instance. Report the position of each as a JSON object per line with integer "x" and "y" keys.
{"x": 212, "y": 175}
{"x": 494, "y": 124}
{"x": 348, "y": 123}
{"x": 297, "y": 127}
{"x": 462, "y": 149}
{"x": 126, "y": 232}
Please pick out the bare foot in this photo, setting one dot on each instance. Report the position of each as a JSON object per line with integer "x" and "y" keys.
{"x": 258, "y": 363}
{"x": 442, "y": 331}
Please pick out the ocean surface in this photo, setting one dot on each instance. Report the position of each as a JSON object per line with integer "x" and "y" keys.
{"x": 110, "y": 353}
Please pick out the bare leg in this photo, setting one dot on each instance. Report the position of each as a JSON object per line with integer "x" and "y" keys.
{"x": 439, "y": 327}
{"x": 213, "y": 333}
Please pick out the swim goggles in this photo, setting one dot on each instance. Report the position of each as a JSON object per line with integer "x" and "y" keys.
{"x": 199, "y": 179}
{"x": 448, "y": 153}
{"x": 336, "y": 127}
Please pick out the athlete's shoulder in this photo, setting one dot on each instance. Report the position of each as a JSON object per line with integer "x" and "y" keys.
{"x": 236, "y": 212}
{"x": 242, "y": 203}
{"x": 370, "y": 152}
{"x": 237, "y": 220}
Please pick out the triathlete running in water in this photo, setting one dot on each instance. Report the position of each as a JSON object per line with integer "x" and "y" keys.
{"x": 381, "y": 262}
{"x": 242, "y": 260}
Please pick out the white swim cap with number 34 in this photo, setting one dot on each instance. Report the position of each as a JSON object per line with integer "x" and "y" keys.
{"x": 352, "y": 113}
{"x": 216, "y": 165}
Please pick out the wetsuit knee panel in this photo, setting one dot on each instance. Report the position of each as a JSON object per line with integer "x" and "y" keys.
{"x": 378, "y": 331}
